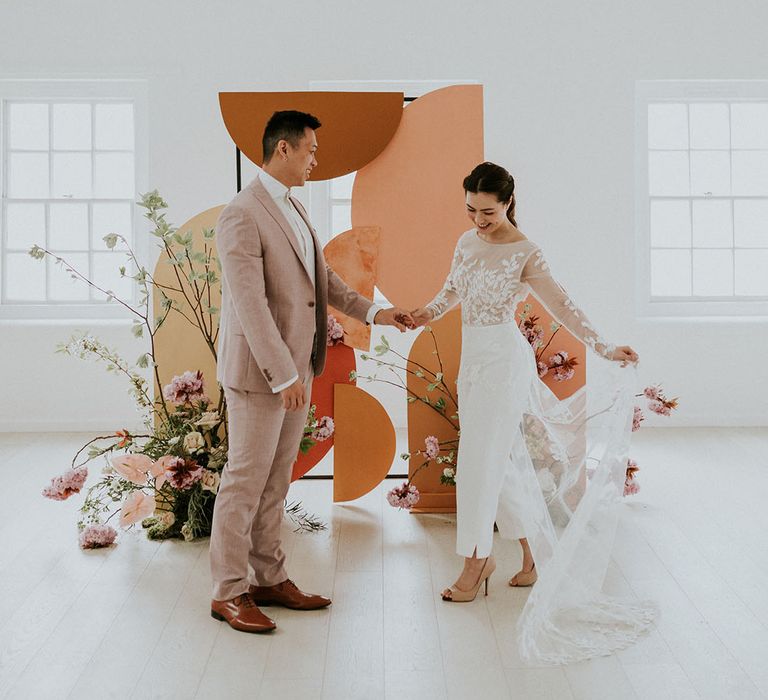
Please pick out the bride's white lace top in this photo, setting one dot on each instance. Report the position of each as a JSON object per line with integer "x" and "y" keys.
{"x": 490, "y": 279}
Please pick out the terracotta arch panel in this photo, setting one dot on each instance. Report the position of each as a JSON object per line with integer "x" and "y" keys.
{"x": 413, "y": 191}
{"x": 340, "y": 362}
{"x": 364, "y": 447}
{"x": 356, "y": 126}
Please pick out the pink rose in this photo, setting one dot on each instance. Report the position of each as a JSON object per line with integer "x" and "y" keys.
{"x": 133, "y": 467}
{"x": 136, "y": 507}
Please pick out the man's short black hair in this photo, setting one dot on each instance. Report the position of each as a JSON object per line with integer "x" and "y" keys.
{"x": 288, "y": 125}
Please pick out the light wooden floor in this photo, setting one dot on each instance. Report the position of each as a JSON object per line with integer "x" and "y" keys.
{"x": 132, "y": 621}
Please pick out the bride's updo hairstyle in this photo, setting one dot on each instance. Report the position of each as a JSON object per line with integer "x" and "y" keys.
{"x": 493, "y": 179}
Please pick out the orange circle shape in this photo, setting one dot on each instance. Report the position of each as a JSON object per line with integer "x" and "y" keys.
{"x": 356, "y": 126}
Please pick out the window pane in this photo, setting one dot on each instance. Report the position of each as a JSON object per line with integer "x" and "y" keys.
{"x": 114, "y": 127}
{"x": 710, "y": 126}
{"x": 670, "y": 224}
{"x": 61, "y": 285}
{"x": 671, "y": 273}
{"x": 69, "y": 227}
{"x": 751, "y": 222}
{"x": 668, "y": 173}
{"x": 72, "y": 127}
{"x": 710, "y": 172}
{"x": 28, "y": 126}
{"x": 752, "y": 272}
{"x": 667, "y": 126}
{"x": 111, "y": 218}
{"x": 28, "y": 175}
{"x": 106, "y": 274}
{"x": 341, "y": 219}
{"x": 72, "y": 175}
{"x": 25, "y": 225}
{"x": 341, "y": 187}
{"x": 713, "y": 273}
{"x": 749, "y": 125}
{"x": 25, "y": 278}
{"x": 750, "y": 172}
{"x": 712, "y": 224}
{"x": 114, "y": 176}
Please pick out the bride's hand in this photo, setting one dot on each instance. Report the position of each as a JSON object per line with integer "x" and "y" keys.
{"x": 422, "y": 316}
{"x": 625, "y": 354}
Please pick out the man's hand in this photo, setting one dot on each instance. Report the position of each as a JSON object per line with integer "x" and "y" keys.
{"x": 294, "y": 397}
{"x": 394, "y": 316}
{"x": 422, "y": 316}
{"x": 625, "y": 355}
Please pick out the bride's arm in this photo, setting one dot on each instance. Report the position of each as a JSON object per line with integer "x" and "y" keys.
{"x": 445, "y": 300}
{"x": 538, "y": 277}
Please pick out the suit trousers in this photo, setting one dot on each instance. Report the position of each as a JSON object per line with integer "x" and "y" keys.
{"x": 264, "y": 442}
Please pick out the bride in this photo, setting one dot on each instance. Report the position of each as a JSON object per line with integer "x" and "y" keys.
{"x": 560, "y": 502}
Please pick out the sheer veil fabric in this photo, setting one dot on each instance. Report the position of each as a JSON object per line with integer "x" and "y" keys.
{"x": 549, "y": 470}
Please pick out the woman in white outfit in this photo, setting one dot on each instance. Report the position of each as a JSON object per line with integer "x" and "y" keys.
{"x": 502, "y": 404}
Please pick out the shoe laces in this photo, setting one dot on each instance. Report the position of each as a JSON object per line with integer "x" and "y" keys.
{"x": 246, "y": 601}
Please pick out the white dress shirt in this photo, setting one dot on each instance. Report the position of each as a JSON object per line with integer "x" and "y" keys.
{"x": 282, "y": 198}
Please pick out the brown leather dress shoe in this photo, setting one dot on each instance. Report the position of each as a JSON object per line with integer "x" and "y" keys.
{"x": 288, "y": 595}
{"x": 242, "y": 614}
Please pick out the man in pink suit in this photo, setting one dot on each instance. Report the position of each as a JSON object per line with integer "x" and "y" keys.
{"x": 276, "y": 288}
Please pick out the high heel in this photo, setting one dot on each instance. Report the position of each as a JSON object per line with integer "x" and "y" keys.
{"x": 459, "y": 596}
{"x": 524, "y": 578}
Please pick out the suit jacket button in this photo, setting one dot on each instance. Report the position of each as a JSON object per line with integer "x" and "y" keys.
{"x": 311, "y": 303}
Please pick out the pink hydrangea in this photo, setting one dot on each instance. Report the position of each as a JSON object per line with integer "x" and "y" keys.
{"x": 659, "y": 407}
{"x": 651, "y": 392}
{"x": 637, "y": 418}
{"x": 324, "y": 429}
{"x": 405, "y": 496}
{"x": 64, "y": 486}
{"x": 563, "y": 374}
{"x": 95, "y": 536}
{"x": 431, "y": 447}
{"x": 185, "y": 388}
{"x": 335, "y": 331}
{"x": 182, "y": 473}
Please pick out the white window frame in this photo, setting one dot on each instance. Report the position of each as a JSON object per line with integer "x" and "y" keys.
{"x": 70, "y": 90}
{"x": 688, "y": 92}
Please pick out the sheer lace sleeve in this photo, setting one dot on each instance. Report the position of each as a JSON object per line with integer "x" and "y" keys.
{"x": 538, "y": 277}
{"x": 448, "y": 297}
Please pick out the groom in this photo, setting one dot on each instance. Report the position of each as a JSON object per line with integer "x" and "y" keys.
{"x": 276, "y": 287}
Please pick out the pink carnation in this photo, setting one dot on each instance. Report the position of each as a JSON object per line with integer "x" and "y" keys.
{"x": 324, "y": 429}
{"x": 185, "y": 388}
{"x": 405, "y": 496}
{"x": 182, "y": 473}
{"x": 659, "y": 407}
{"x": 651, "y": 392}
{"x": 335, "y": 331}
{"x": 564, "y": 374}
{"x": 64, "y": 486}
{"x": 431, "y": 447}
{"x": 637, "y": 418}
{"x": 95, "y": 536}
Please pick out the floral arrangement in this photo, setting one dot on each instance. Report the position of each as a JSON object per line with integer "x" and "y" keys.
{"x": 439, "y": 398}
{"x": 559, "y": 364}
{"x": 166, "y": 478}
{"x": 659, "y": 404}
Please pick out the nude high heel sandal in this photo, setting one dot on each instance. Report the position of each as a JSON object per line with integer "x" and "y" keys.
{"x": 459, "y": 596}
{"x": 524, "y": 578}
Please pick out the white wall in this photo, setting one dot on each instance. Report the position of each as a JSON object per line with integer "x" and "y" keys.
{"x": 559, "y": 99}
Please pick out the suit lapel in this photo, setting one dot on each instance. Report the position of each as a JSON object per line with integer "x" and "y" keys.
{"x": 321, "y": 277}
{"x": 269, "y": 204}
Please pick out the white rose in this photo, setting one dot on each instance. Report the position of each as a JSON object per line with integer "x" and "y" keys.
{"x": 193, "y": 441}
{"x": 209, "y": 419}
{"x": 210, "y": 481}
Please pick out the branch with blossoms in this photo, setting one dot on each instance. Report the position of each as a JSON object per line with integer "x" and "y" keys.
{"x": 560, "y": 364}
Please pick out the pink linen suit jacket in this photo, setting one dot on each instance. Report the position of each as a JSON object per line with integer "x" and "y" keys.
{"x": 270, "y": 312}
